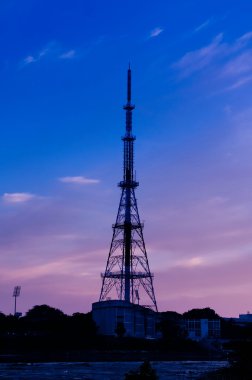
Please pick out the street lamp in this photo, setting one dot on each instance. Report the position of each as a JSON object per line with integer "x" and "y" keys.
{"x": 16, "y": 293}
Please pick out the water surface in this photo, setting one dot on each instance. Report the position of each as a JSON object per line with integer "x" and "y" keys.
{"x": 173, "y": 370}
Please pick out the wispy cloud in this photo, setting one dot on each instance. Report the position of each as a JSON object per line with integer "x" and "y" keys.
{"x": 243, "y": 40}
{"x": 198, "y": 59}
{"x": 191, "y": 262}
{"x": 156, "y": 32}
{"x": 79, "y": 180}
{"x": 229, "y": 63}
{"x": 29, "y": 59}
{"x": 52, "y": 50}
{"x": 68, "y": 54}
{"x": 217, "y": 257}
{"x": 17, "y": 197}
{"x": 36, "y": 57}
{"x": 203, "y": 25}
{"x": 238, "y": 69}
{"x": 239, "y": 83}
{"x": 238, "y": 65}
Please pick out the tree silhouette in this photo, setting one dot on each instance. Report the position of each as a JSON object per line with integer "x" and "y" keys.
{"x": 45, "y": 312}
{"x": 206, "y": 313}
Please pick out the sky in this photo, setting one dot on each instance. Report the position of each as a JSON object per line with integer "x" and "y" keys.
{"x": 63, "y": 67}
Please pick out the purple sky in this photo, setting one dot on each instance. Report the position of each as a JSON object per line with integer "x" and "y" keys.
{"x": 63, "y": 83}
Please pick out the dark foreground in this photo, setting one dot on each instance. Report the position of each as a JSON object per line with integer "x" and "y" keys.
{"x": 61, "y": 347}
{"x": 105, "y": 370}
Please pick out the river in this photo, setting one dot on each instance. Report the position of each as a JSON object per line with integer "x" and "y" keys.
{"x": 172, "y": 370}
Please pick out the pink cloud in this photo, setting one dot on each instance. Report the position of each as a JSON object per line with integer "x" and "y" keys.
{"x": 17, "y": 197}
{"x": 80, "y": 180}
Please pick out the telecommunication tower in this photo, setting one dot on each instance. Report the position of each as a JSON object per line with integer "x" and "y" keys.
{"x": 127, "y": 272}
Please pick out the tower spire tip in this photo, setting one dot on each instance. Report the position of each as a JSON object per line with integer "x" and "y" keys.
{"x": 129, "y": 85}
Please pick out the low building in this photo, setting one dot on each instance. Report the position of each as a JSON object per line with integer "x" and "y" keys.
{"x": 245, "y": 318}
{"x": 242, "y": 321}
{"x": 115, "y": 317}
{"x": 198, "y": 329}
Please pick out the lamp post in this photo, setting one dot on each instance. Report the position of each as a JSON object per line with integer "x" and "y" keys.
{"x": 16, "y": 293}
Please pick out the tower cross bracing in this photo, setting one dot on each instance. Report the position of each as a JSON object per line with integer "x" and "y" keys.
{"x": 127, "y": 272}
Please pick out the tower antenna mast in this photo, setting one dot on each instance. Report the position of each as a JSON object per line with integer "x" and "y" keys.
{"x": 127, "y": 270}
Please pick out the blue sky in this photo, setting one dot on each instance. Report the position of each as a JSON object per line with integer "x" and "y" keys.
{"x": 63, "y": 83}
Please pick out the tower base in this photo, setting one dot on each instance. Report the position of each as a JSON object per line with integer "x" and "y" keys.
{"x": 116, "y": 317}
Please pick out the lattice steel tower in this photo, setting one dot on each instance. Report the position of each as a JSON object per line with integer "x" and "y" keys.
{"x": 127, "y": 270}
